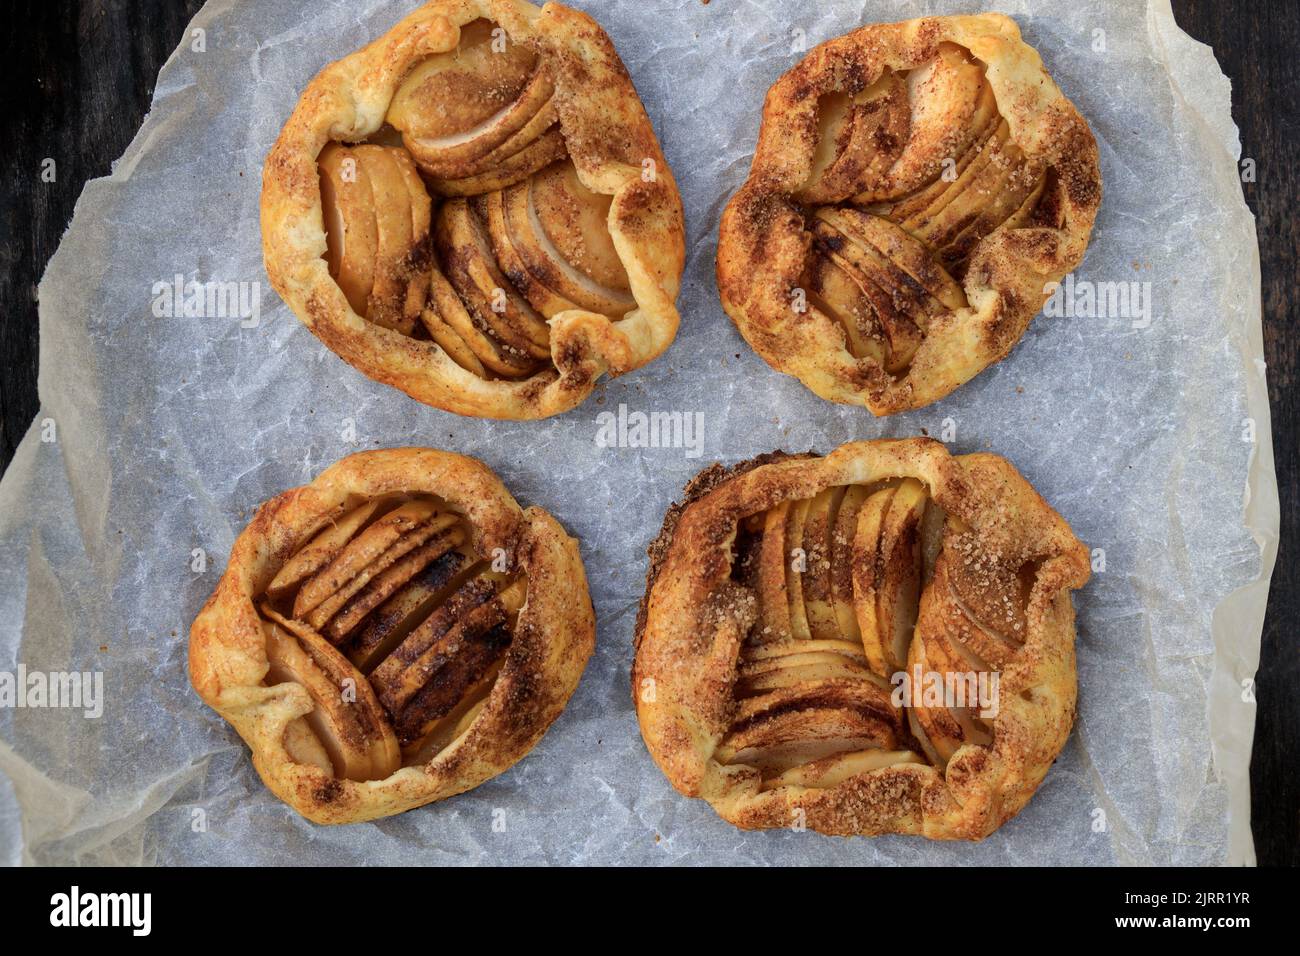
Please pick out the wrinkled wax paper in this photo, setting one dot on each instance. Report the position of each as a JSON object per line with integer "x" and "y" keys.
{"x": 158, "y": 437}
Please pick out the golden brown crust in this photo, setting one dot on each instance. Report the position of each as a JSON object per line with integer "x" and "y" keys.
{"x": 700, "y": 623}
{"x": 771, "y": 243}
{"x": 609, "y": 139}
{"x": 553, "y": 636}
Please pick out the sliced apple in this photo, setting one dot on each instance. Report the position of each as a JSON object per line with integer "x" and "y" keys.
{"x": 360, "y": 552}
{"x": 351, "y": 230}
{"x": 463, "y": 103}
{"x": 834, "y": 291}
{"x": 796, "y": 561}
{"x": 908, "y": 260}
{"x": 408, "y": 608}
{"x": 507, "y": 170}
{"x": 900, "y": 311}
{"x": 463, "y": 245}
{"x": 322, "y": 548}
{"x": 866, "y": 574}
{"x": 834, "y": 770}
{"x": 761, "y": 653}
{"x": 790, "y": 738}
{"x": 860, "y": 137}
{"x": 496, "y": 357}
{"x": 451, "y": 343}
{"x": 354, "y": 733}
{"x": 445, "y": 731}
{"x": 898, "y": 589}
{"x": 558, "y": 230}
{"x": 984, "y": 122}
{"x": 386, "y": 305}
{"x": 384, "y": 584}
{"x": 817, "y": 597}
{"x": 945, "y": 96}
{"x": 842, "y": 535}
{"x": 773, "y": 596}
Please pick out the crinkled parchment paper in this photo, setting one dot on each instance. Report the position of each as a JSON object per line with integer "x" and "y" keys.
{"x": 167, "y": 432}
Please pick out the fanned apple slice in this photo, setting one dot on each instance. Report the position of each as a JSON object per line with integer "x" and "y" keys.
{"x": 984, "y": 122}
{"x": 304, "y": 746}
{"x": 377, "y": 538}
{"x": 445, "y": 731}
{"x": 417, "y": 295}
{"x": 945, "y": 95}
{"x": 919, "y": 220}
{"x": 393, "y": 620}
{"x": 319, "y": 550}
{"x": 796, "y": 561}
{"x": 357, "y": 587}
{"x": 546, "y": 301}
{"x": 967, "y": 197}
{"x": 942, "y": 612}
{"x": 835, "y": 292}
{"x": 508, "y": 170}
{"x": 993, "y": 592}
{"x": 359, "y": 741}
{"x": 799, "y": 670}
{"x": 462, "y": 103}
{"x": 385, "y": 584}
{"x": 351, "y": 231}
{"x": 866, "y": 563}
{"x": 467, "y": 260}
{"x": 760, "y": 653}
{"x": 409, "y": 666}
{"x": 899, "y": 311}
{"x": 791, "y": 738}
{"x": 465, "y": 638}
{"x": 386, "y": 305}
{"x": 817, "y": 598}
{"x": 860, "y": 137}
{"x": 507, "y": 131}
{"x": 559, "y": 230}
{"x": 451, "y": 343}
{"x": 842, "y": 535}
{"x": 495, "y": 356}
{"x": 898, "y": 589}
{"x": 834, "y": 770}
{"x": 773, "y": 596}
{"x": 911, "y": 263}
{"x": 1020, "y": 183}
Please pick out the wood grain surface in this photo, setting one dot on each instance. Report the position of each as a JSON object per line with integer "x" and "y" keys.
{"x": 79, "y": 75}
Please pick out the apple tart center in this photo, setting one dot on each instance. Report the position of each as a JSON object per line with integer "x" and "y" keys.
{"x": 855, "y": 587}
{"x": 512, "y": 238}
{"x": 396, "y": 628}
{"x": 909, "y": 175}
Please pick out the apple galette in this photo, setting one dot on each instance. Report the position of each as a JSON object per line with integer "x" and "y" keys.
{"x": 474, "y": 209}
{"x": 877, "y": 641}
{"x": 915, "y": 190}
{"x": 395, "y": 632}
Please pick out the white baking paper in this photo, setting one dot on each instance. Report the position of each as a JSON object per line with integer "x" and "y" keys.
{"x": 159, "y": 434}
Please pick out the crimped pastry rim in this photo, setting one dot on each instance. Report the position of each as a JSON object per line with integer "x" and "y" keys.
{"x": 554, "y": 636}
{"x": 348, "y": 100}
{"x": 982, "y": 786}
{"x": 1009, "y": 269}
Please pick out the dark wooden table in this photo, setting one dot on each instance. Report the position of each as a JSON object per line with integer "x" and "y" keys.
{"x": 79, "y": 75}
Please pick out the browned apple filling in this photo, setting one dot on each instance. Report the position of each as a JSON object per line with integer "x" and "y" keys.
{"x": 397, "y": 630}
{"x": 514, "y": 237}
{"x": 854, "y": 587}
{"x": 910, "y": 174}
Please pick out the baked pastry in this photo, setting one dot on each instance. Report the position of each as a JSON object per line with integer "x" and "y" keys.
{"x": 393, "y": 633}
{"x": 877, "y": 641}
{"x": 915, "y": 189}
{"x": 474, "y": 209}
